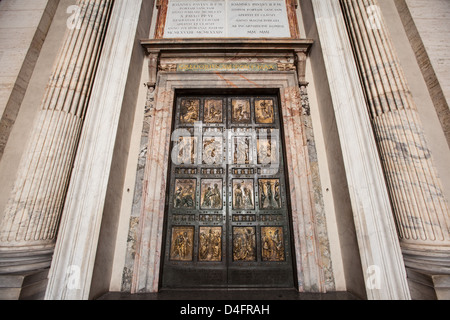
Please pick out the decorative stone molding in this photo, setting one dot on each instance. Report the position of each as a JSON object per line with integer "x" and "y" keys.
{"x": 149, "y": 243}
{"x": 286, "y": 54}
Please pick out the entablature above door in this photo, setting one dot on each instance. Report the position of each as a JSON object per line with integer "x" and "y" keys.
{"x": 227, "y": 55}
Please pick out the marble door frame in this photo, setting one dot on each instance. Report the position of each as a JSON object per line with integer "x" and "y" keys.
{"x": 309, "y": 268}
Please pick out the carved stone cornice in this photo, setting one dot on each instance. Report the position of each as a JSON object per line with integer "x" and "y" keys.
{"x": 297, "y": 49}
{"x": 199, "y": 46}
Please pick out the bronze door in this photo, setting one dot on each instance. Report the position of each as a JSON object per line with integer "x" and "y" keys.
{"x": 227, "y": 212}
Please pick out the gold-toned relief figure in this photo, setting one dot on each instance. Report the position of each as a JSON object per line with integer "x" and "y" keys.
{"x": 190, "y": 111}
{"x": 210, "y": 249}
{"x": 241, "y": 150}
{"x": 244, "y": 244}
{"x": 182, "y": 243}
{"x": 243, "y": 194}
{"x": 267, "y": 150}
{"x": 212, "y": 150}
{"x": 269, "y": 194}
{"x": 184, "y": 196}
{"x": 264, "y": 112}
{"x": 213, "y": 111}
{"x": 272, "y": 244}
{"x": 211, "y": 194}
{"x": 187, "y": 150}
{"x": 241, "y": 111}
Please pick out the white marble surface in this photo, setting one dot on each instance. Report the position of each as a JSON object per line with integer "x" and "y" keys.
{"x": 431, "y": 18}
{"x": 375, "y": 228}
{"x": 17, "y": 29}
{"x": 226, "y": 19}
{"x": 79, "y": 232}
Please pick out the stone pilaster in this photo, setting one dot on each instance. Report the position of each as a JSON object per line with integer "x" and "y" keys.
{"x": 28, "y": 231}
{"x": 420, "y": 208}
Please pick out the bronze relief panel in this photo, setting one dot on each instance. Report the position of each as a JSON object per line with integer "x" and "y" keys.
{"x": 272, "y": 243}
{"x": 269, "y": 194}
{"x": 182, "y": 243}
{"x": 210, "y": 244}
{"x": 244, "y": 244}
{"x": 241, "y": 150}
{"x": 267, "y": 151}
{"x": 184, "y": 195}
{"x": 186, "y": 152}
{"x": 264, "y": 111}
{"x": 243, "y": 194}
{"x": 189, "y": 111}
{"x": 240, "y": 111}
{"x": 212, "y": 150}
{"x": 211, "y": 194}
{"x": 213, "y": 111}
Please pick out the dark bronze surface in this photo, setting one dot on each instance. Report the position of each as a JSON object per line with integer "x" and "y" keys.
{"x": 227, "y": 212}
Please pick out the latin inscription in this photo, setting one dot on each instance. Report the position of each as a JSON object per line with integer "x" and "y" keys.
{"x": 227, "y": 18}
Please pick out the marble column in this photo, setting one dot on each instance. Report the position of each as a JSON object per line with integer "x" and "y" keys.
{"x": 419, "y": 205}
{"x": 380, "y": 254}
{"x": 79, "y": 249}
{"x": 30, "y": 225}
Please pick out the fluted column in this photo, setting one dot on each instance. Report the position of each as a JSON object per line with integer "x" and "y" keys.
{"x": 420, "y": 208}
{"x": 30, "y": 225}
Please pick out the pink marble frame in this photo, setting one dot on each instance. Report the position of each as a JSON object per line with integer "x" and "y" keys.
{"x": 149, "y": 247}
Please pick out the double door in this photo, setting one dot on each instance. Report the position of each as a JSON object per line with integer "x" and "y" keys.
{"x": 227, "y": 212}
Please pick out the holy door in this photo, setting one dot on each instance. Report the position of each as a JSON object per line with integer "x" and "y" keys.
{"x": 227, "y": 222}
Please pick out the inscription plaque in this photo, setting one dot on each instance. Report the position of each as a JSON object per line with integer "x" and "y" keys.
{"x": 227, "y": 18}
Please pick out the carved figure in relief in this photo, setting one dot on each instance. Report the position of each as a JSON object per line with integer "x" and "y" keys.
{"x": 189, "y": 112}
{"x": 216, "y": 197}
{"x": 238, "y": 200}
{"x": 244, "y": 244}
{"x": 243, "y": 194}
{"x": 241, "y": 152}
{"x": 210, "y": 248}
{"x": 212, "y": 150}
{"x": 207, "y": 199}
{"x": 213, "y": 111}
{"x": 211, "y": 197}
{"x": 264, "y": 112}
{"x": 267, "y": 151}
{"x": 269, "y": 194}
{"x": 187, "y": 151}
{"x": 272, "y": 244}
{"x": 182, "y": 239}
{"x": 241, "y": 111}
{"x": 248, "y": 201}
{"x": 184, "y": 193}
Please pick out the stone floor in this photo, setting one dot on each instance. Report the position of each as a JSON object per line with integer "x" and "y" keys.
{"x": 248, "y": 295}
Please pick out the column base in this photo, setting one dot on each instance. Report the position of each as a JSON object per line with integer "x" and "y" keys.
{"x": 24, "y": 286}
{"x": 428, "y": 271}
{"x": 25, "y": 259}
{"x": 427, "y": 258}
{"x": 426, "y": 286}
